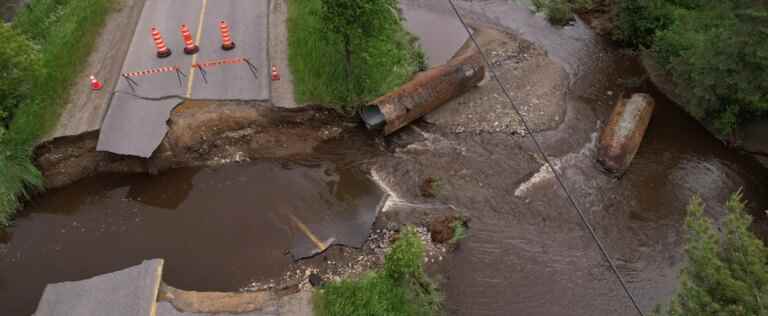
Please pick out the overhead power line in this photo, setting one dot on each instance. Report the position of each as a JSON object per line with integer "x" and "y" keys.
{"x": 572, "y": 201}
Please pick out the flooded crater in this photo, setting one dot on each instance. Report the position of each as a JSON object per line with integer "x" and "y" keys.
{"x": 218, "y": 229}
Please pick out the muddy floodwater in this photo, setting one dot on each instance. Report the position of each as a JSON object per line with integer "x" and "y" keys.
{"x": 529, "y": 254}
{"x": 217, "y": 228}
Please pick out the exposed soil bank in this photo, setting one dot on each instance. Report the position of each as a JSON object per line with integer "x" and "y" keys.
{"x": 200, "y": 133}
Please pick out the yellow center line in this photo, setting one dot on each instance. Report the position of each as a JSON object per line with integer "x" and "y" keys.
{"x": 197, "y": 42}
{"x": 320, "y": 245}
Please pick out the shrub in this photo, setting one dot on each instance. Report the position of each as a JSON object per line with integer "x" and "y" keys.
{"x": 63, "y": 31}
{"x": 459, "y": 232}
{"x": 720, "y": 61}
{"x": 637, "y": 21}
{"x": 560, "y": 12}
{"x": 21, "y": 66}
{"x": 715, "y": 50}
{"x": 406, "y": 259}
{"x": 400, "y": 289}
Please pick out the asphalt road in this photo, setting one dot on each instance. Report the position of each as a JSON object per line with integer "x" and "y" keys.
{"x": 248, "y": 21}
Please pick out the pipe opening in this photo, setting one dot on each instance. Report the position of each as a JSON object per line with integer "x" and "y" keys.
{"x": 372, "y": 116}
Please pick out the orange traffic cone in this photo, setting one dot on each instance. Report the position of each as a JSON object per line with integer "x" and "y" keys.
{"x": 275, "y": 75}
{"x": 190, "y": 48}
{"x": 95, "y": 84}
{"x": 162, "y": 50}
{"x": 226, "y": 39}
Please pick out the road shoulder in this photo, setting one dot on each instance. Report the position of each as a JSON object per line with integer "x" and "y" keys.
{"x": 85, "y": 109}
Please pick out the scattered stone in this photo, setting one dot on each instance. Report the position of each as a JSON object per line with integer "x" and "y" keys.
{"x": 315, "y": 280}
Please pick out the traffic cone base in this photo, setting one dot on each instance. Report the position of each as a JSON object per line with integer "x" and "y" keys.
{"x": 229, "y": 46}
{"x": 164, "y": 53}
{"x": 95, "y": 84}
{"x": 191, "y": 50}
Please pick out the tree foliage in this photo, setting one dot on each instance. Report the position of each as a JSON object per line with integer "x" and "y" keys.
{"x": 724, "y": 275}
{"x": 361, "y": 26}
{"x": 19, "y": 68}
{"x": 716, "y": 50}
{"x": 36, "y": 73}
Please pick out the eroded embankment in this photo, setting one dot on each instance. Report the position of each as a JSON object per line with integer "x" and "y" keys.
{"x": 200, "y": 133}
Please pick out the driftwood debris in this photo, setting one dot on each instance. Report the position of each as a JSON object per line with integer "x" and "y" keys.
{"x": 624, "y": 132}
{"x": 426, "y": 92}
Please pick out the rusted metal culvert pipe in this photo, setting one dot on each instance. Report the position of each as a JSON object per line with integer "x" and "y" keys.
{"x": 624, "y": 132}
{"x": 426, "y": 92}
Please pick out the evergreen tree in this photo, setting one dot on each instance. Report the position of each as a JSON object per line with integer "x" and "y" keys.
{"x": 726, "y": 273}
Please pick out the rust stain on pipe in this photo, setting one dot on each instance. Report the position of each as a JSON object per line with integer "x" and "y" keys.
{"x": 427, "y": 91}
{"x": 624, "y": 132}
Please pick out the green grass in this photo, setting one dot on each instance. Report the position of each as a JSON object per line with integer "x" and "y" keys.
{"x": 401, "y": 288}
{"x": 459, "y": 232}
{"x": 317, "y": 61}
{"x": 64, "y": 33}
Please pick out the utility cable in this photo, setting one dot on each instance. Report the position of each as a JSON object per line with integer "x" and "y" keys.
{"x": 550, "y": 165}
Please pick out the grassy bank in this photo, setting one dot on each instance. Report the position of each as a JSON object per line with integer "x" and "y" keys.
{"x": 63, "y": 33}
{"x": 316, "y": 59}
{"x": 400, "y": 288}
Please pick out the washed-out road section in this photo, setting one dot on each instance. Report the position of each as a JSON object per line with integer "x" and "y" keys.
{"x": 135, "y": 123}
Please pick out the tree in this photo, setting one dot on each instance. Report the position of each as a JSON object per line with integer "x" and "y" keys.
{"x": 716, "y": 50}
{"x": 724, "y": 275}
{"x": 357, "y": 23}
{"x": 719, "y": 52}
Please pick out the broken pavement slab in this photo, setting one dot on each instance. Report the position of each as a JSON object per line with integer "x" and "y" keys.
{"x": 128, "y": 292}
{"x": 135, "y": 126}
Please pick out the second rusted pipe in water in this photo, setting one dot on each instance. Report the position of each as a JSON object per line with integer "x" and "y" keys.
{"x": 624, "y": 132}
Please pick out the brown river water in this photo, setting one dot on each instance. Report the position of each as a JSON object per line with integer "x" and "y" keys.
{"x": 210, "y": 224}
{"x": 552, "y": 267}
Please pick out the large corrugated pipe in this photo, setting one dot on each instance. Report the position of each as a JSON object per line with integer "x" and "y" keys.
{"x": 426, "y": 92}
{"x": 624, "y": 132}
